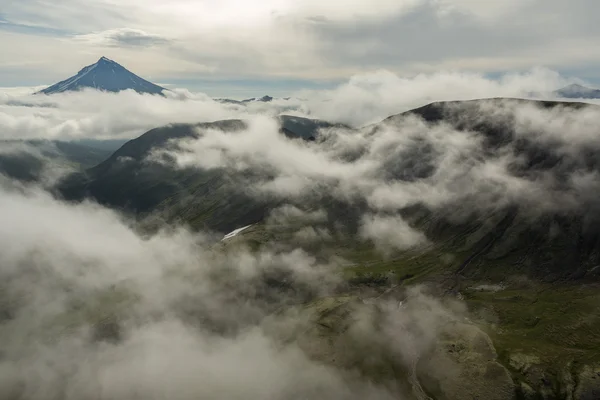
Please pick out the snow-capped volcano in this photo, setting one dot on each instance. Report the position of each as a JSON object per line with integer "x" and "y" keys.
{"x": 105, "y": 75}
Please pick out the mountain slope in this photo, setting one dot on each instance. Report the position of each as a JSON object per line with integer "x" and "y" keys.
{"x": 206, "y": 198}
{"x": 525, "y": 262}
{"x": 535, "y": 218}
{"x": 497, "y": 233}
{"x": 105, "y": 75}
{"x": 211, "y": 199}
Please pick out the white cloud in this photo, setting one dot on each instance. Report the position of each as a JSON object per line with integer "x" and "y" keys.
{"x": 16, "y": 91}
{"x": 390, "y": 233}
{"x": 371, "y": 97}
{"x": 352, "y": 10}
{"x": 289, "y": 215}
{"x": 91, "y": 113}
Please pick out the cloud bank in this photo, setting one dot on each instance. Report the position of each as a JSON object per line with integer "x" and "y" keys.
{"x": 365, "y": 99}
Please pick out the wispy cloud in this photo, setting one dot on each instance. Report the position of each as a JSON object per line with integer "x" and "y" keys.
{"x": 9, "y": 26}
{"x": 124, "y": 37}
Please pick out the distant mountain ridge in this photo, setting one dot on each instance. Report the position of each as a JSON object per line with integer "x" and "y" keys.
{"x": 106, "y": 75}
{"x": 264, "y": 99}
{"x": 576, "y": 91}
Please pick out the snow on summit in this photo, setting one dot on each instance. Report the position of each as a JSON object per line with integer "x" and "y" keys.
{"x": 106, "y": 75}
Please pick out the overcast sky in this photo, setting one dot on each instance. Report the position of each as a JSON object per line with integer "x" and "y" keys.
{"x": 240, "y": 47}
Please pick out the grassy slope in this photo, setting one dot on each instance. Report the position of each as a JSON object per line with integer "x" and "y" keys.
{"x": 544, "y": 332}
{"x": 555, "y": 326}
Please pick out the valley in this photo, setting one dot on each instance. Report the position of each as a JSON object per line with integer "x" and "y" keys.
{"x": 491, "y": 286}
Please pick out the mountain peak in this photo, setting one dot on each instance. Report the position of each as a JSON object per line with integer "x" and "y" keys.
{"x": 104, "y": 60}
{"x": 105, "y": 75}
{"x": 577, "y": 91}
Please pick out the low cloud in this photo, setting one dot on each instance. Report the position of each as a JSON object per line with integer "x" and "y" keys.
{"x": 369, "y": 98}
{"x": 90, "y": 308}
{"x": 40, "y": 161}
{"x": 390, "y": 234}
{"x": 94, "y": 114}
{"x": 365, "y": 99}
{"x": 289, "y": 215}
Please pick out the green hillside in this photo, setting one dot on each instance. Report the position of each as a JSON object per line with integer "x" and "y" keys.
{"x": 528, "y": 274}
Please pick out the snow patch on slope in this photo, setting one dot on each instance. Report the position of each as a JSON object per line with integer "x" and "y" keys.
{"x": 235, "y": 232}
